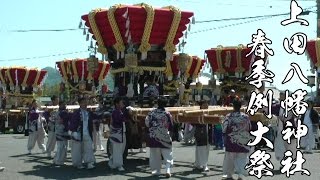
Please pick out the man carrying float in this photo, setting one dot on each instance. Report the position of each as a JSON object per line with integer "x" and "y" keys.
{"x": 118, "y": 135}
{"x": 202, "y": 135}
{"x": 159, "y": 122}
{"x": 51, "y": 120}
{"x": 62, "y": 136}
{"x": 81, "y": 125}
{"x": 36, "y": 128}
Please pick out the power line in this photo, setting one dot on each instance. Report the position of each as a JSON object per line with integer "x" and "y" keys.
{"x": 47, "y": 30}
{"x": 229, "y": 25}
{"x": 40, "y": 57}
{"x": 305, "y": 12}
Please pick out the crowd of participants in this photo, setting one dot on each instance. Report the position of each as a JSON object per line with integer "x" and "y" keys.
{"x": 81, "y": 131}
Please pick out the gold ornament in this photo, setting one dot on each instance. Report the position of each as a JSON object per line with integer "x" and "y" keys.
{"x": 131, "y": 60}
{"x": 82, "y": 85}
{"x": 92, "y": 64}
{"x": 183, "y": 61}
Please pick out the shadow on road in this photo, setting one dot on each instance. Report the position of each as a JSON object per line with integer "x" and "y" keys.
{"x": 133, "y": 165}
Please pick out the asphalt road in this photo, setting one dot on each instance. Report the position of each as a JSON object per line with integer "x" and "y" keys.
{"x": 19, "y": 165}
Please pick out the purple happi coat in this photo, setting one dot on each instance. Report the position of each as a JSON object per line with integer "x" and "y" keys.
{"x": 159, "y": 122}
{"x": 34, "y": 120}
{"x": 236, "y": 130}
{"x": 76, "y": 123}
{"x": 50, "y": 120}
{"x": 117, "y": 125}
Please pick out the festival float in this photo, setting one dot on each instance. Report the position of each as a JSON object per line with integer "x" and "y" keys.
{"x": 181, "y": 71}
{"x": 231, "y": 65}
{"x": 126, "y": 36}
{"x": 82, "y": 77}
{"x": 18, "y": 86}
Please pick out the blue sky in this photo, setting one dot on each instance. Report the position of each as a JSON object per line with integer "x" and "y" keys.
{"x": 61, "y": 14}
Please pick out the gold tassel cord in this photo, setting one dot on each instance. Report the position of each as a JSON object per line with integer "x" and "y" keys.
{"x": 169, "y": 46}
{"x": 75, "y": 71}
{"x": 101, "y": 46}
{"x": 26, "y": 76}
{"x": 197, "y": 69}
{"x": 239, "y": 67}
{"x": 35, "y": 84}
{"x": 219, "y": 60}
{"x": 104, "y": 66}
{"x": 9, "y": 77}
{"x": 145, "y": 45}
{"x": 189, "y": 67}
{"x": 1, "y": 77}
{"x": 68, "y": 68}
{"x": 119, "y": 45}
{"x": 63, "y": 70}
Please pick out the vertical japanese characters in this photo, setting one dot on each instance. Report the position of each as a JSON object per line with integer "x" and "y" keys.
{"x": 291, "y": 105}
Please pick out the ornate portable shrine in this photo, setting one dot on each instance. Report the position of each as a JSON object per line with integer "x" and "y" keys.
{"x": 83, "y": 76}
{"x": 188, "y": 67}
{"x": 138, "y": 40}
{"x": 20, "y": 84}
{"x": 182, "y": 69}
{"x": 231, "y": 65}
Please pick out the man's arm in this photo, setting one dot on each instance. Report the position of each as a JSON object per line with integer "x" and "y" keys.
{"x": 147, "y": 120}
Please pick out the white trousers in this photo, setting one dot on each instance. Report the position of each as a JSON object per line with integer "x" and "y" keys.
{"x": 97, "y": 138}
{"x": 116, "y": 159}
{"x": 36, "y": 136}
{"x": 155, "y": 158}
{"x": 82, "y": 151}
{"x": 202, "y": 155}
{"x": 235, "y": 162}
{"x": 51, "y": 143}
{"x": 309, "y": 141}
{"x": 61, "y": 153}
